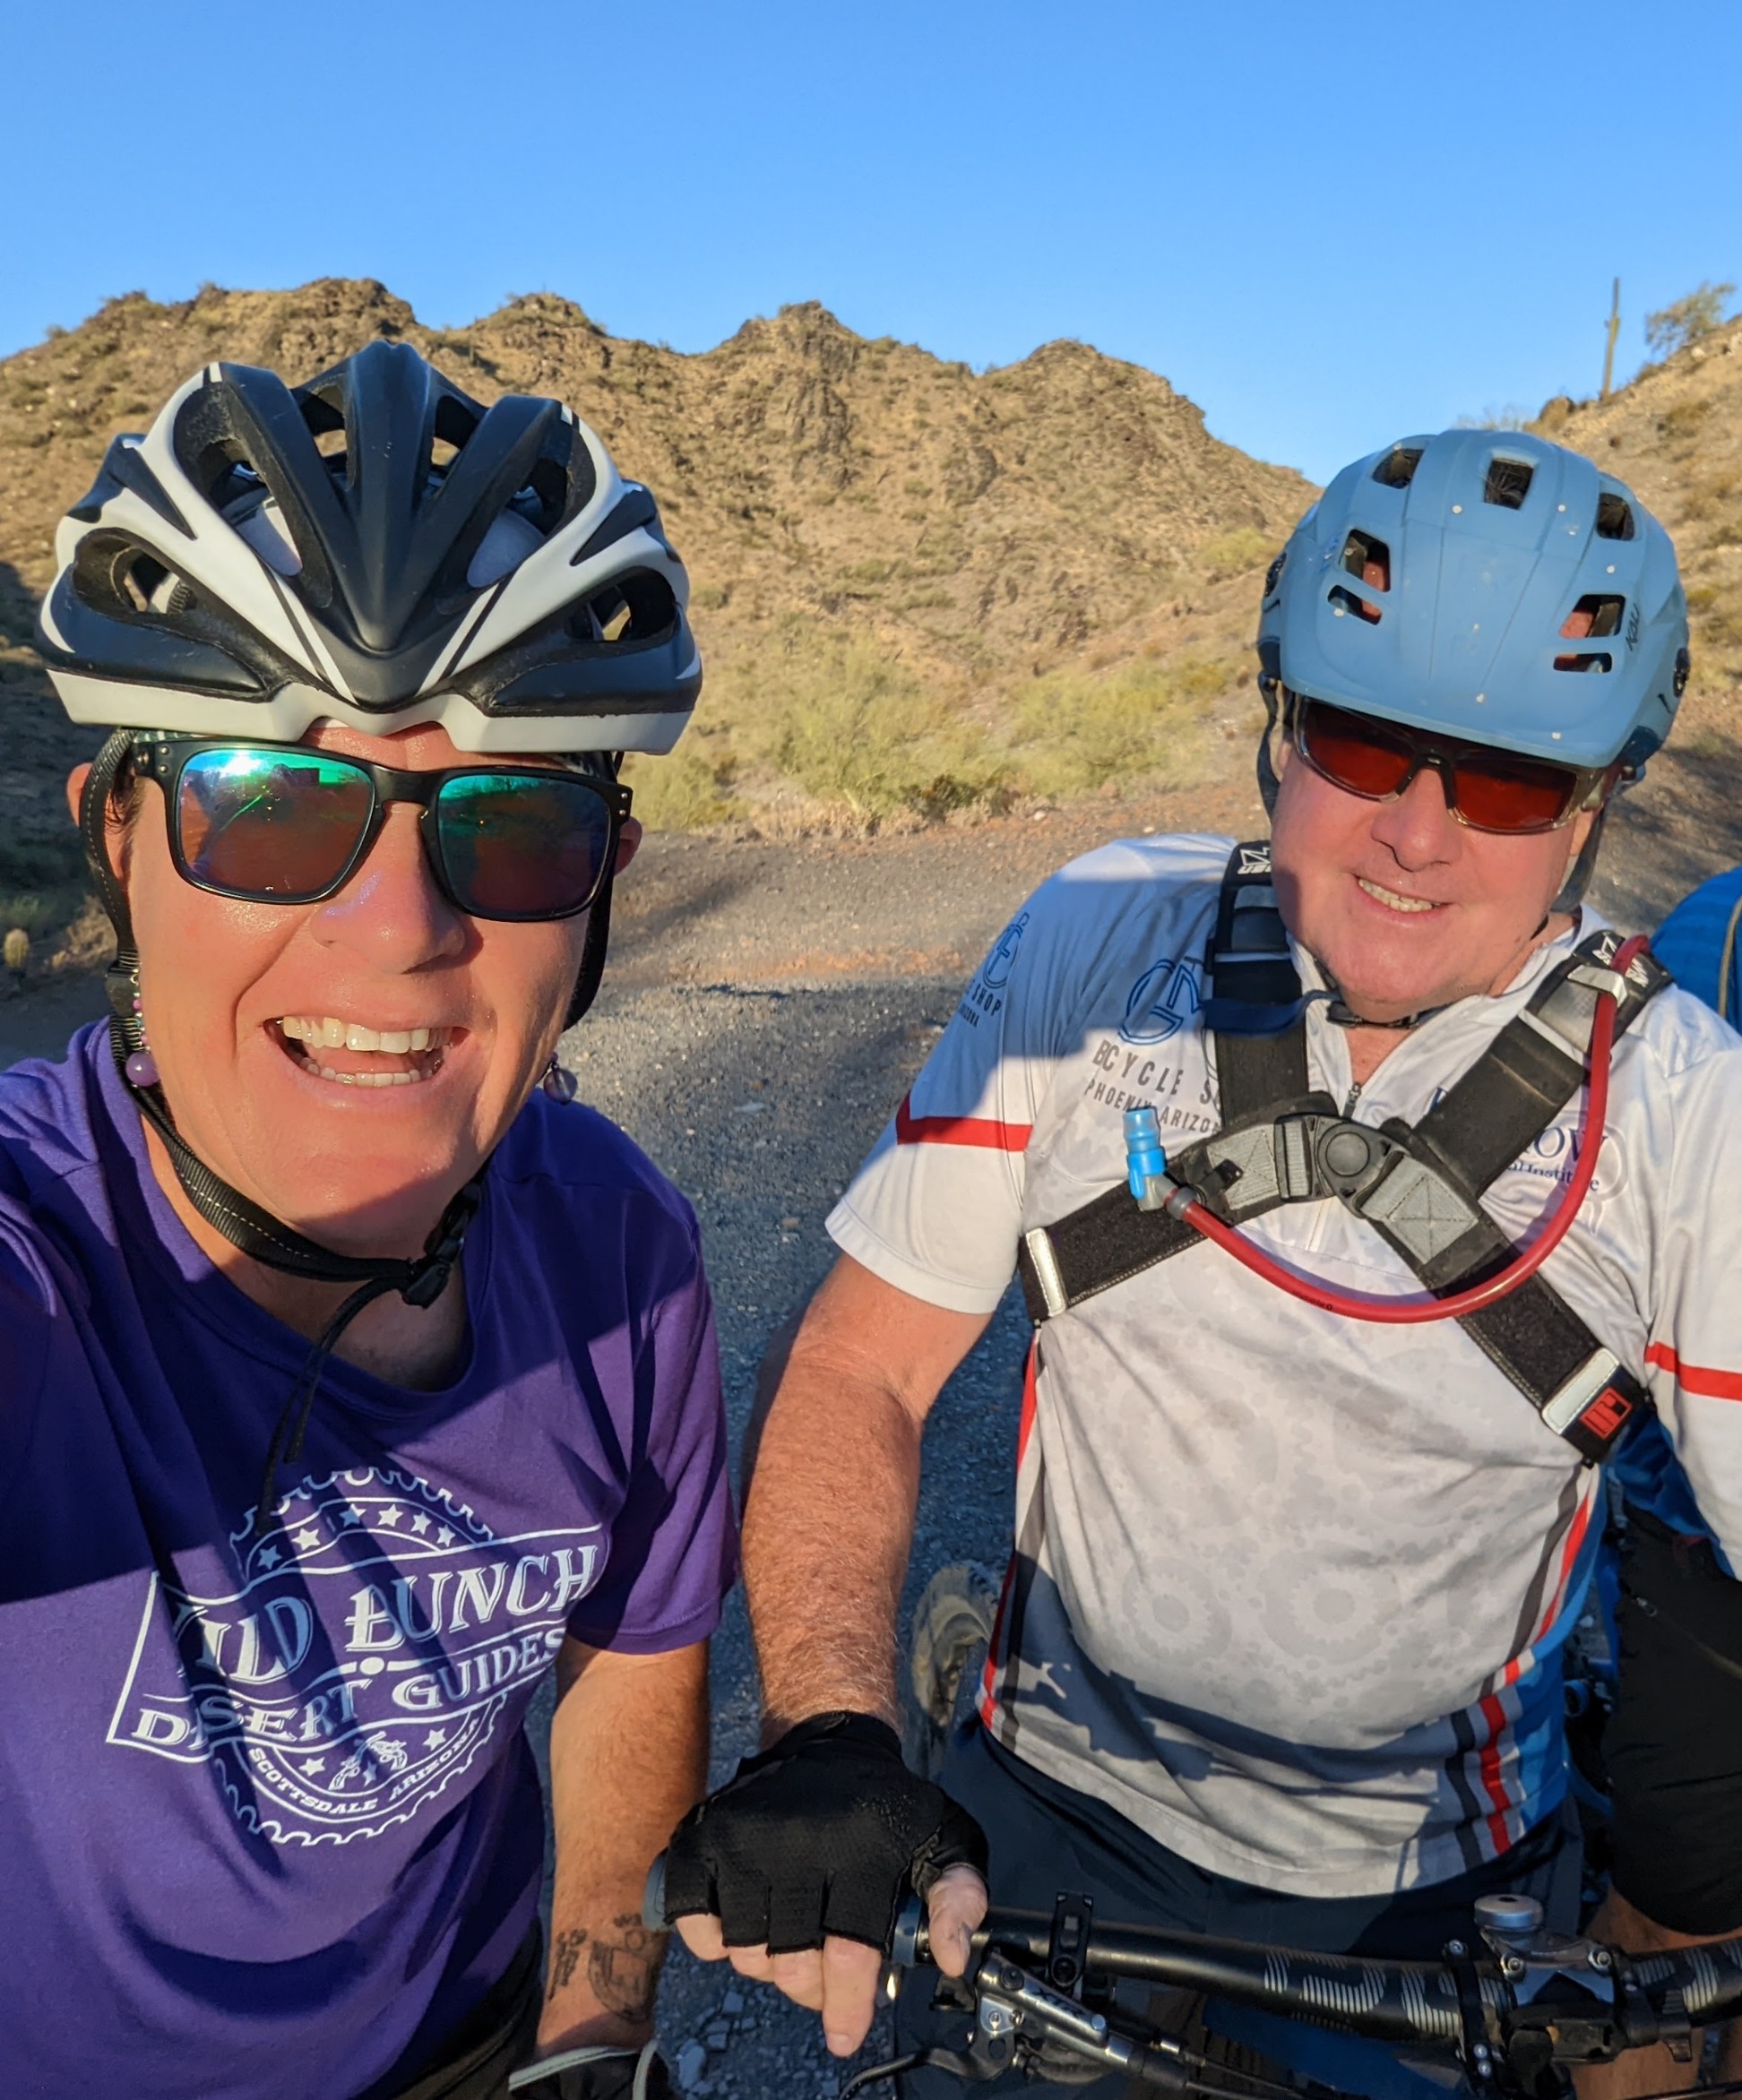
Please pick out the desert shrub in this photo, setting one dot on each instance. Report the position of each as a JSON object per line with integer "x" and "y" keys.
{"x": 1232, "y": 553}
{"x": 1511, "y": 417}
{"x": 1686, "y": 320}
{"x": 853, "y": 727}
{"x": 1685, "y": 418}
{"x": 1144, "y": 723}
{"x": 685, "y": 791}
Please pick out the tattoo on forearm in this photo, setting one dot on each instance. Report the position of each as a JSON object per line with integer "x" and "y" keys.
{"x": 623, "y": 1971}
{"x": 564, "y": 1957}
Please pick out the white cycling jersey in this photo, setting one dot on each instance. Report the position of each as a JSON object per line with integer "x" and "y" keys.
{"x": 1289, "y": 1589}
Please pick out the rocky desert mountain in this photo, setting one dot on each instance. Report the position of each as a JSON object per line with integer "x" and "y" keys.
{"x": 920, "y": 590}
{"x": 865, "y": 523}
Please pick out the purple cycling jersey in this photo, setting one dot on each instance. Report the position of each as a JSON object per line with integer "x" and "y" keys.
{"x": 269, "y": 1824}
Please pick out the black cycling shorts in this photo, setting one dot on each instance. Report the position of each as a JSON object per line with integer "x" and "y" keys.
{"x": 1674, "y": 1746}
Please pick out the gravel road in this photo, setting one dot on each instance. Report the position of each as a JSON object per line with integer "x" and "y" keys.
{"x": 766, "y": 1007}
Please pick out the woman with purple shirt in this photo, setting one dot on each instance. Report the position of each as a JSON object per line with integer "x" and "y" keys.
{"x": 350, "y": 1379}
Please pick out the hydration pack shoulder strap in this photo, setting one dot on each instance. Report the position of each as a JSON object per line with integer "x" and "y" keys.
{"x": 1418, "y": 1187}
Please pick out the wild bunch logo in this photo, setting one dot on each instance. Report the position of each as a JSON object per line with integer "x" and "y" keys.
{"x": 373, "y": 1640}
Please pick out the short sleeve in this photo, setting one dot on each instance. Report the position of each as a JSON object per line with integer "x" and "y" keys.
{"x": 674, "y": 1543}
{"x": 1694, "y": 1359}
{"x": 936, "y": 1208}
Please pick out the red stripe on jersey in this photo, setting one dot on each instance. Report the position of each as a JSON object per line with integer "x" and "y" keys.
{"x": 1695, "y": 1377}
{"x": 989, "y": 1698}
{"x": 1030, "y": 1401}
{"x": 1576, "y": 1537}
{"x": 1493, "y": 1785}
{"x": 979, "y": 1130}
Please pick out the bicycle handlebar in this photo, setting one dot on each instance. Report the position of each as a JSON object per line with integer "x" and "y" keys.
{"x": 1587, "y": 2002}
{"x": 1509, "y": 2003}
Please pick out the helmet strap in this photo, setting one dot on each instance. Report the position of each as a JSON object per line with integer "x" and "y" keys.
{"x": 592, "y": 954}
{"x": 1578, "y": 876}
{"x": 1269, "y": 784}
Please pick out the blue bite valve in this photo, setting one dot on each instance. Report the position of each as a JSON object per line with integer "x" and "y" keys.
{"x": 1146, "y": 1164}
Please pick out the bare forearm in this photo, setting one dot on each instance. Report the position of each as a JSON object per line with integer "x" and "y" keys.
{"x": 827, "y": 1529}
{"x": 1617, "y": 1924}
{"x": 628, "y": 1757}
{"x": 828, "y": 1521}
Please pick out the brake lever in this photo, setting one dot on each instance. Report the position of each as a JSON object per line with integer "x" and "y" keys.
{"x": 1013, "y": 2001}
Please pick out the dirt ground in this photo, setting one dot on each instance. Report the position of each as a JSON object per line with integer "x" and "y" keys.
{"x": 767, "y": 1006}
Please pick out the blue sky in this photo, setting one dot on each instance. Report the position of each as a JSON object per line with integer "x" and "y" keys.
{"x": 1327, "y": 232}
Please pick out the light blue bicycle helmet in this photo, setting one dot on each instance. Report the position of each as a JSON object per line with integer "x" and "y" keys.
{"x": 1488, "y": 586}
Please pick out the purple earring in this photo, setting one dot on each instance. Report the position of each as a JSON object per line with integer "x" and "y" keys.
{"x": 141, "y": 1067}
{"x": 559, "y": 1081}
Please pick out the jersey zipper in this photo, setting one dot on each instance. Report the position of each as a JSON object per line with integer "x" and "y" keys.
{"x": 1349, "y": 1106}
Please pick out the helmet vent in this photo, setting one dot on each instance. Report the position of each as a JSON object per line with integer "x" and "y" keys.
{"x": 1346, "y": 601}
{"x": 139, "y": 580}
{"x": 1368, "y": 558}
{"x": 1508, "y": 483}
{"x": 1397, "y": 469}
{"x": 145, "y": 587}
{"x": 1595, "y": 616}
{"x": 637, "y": 607}
{"x": 1615, "y": 518}
{"x": 1601, "y": 660}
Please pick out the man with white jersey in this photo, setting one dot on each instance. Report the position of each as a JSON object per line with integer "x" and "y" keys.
{"x": 1303, "y": 1517}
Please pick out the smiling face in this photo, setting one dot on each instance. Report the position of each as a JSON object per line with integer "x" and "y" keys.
{"x": 1404, "y": 905}
{"x": 349, "y": 1065}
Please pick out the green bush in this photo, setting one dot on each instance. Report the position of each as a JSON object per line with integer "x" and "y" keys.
{"x": 1143, "y": 724}
{"x": 1232, "y": 553}
{"x": 1686, "y": 320}
{"x": 853, "y": 727}
{"x": 681, "y": 793}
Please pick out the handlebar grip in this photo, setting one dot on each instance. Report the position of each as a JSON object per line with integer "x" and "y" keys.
{"x": 653, "y": 1909}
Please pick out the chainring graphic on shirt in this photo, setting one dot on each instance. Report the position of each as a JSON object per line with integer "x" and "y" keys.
{"x": 373, "y": 1640}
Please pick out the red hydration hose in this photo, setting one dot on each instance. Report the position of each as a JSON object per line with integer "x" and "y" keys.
{"x": 1414, "y": 1312}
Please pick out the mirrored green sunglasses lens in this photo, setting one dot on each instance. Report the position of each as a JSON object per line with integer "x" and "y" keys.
{"x": 522, "y": 845}
{"x": 280, "y": 824}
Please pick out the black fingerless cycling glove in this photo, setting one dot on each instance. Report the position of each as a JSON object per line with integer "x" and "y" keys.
{"x": 823, "y": 1834}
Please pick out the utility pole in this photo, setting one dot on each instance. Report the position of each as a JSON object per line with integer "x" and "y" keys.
{"x": 1614, "y": 329}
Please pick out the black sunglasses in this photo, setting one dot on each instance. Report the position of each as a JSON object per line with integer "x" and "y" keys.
{"x": 283, "y": 824}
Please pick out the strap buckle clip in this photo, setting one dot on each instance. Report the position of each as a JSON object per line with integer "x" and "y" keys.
{"x": 1599, "y": 979}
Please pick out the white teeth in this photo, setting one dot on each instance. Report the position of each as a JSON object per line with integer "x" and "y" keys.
{"x": 1392, "y": 899}
{"x": 372, "y": 1079}
{"x": 328, "y": 1033}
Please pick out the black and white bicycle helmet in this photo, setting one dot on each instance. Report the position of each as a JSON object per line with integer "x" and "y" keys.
{"x": 375, "y": 548}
